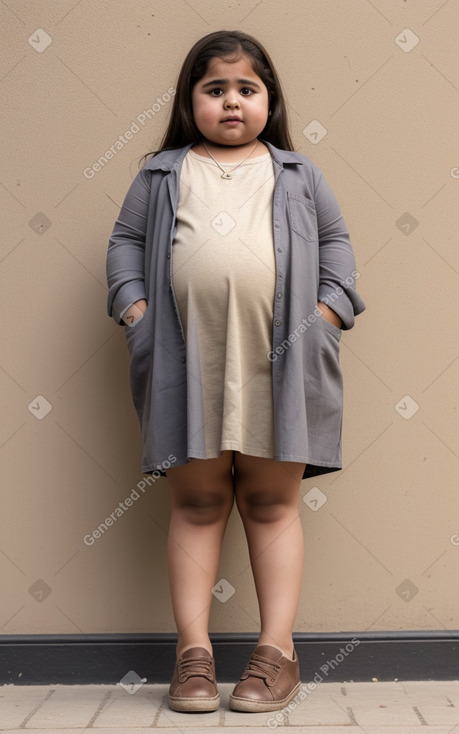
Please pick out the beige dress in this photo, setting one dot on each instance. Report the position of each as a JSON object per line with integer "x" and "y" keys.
{"x": 223, "y": 273}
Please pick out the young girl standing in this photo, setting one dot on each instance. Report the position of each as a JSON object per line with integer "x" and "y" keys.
{"x": 231, "y": 267}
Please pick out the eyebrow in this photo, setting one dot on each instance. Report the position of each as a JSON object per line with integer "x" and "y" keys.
{"x": 222, "y": 82}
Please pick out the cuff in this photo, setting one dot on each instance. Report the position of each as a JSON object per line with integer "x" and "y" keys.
{"x": 346, "y": 302}
{"x": 125, "y": 297}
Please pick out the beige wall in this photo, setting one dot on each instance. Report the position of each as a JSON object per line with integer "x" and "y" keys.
{"x": 389, "y": 526}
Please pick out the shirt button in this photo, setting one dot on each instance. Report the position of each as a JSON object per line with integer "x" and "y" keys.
{"x": 276, "y": 225}
{"x": 279, "y": 295}
{"x": 277, "y": 322}
{"x": 279, "y": 249}
{"x": 168, "y": 254}
{"x": 183, "y": 360}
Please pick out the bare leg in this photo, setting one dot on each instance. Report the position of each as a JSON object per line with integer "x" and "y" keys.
{"x": 267, "y": 498}
{"x": 202, "y": 498}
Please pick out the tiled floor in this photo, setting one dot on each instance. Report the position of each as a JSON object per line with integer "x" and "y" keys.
{"x": 331, "y": 708}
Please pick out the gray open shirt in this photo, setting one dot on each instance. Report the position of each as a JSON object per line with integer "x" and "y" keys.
{"x": 314, "y": 261}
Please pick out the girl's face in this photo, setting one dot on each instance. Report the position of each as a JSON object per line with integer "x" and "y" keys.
{"x": 230, "y": 103}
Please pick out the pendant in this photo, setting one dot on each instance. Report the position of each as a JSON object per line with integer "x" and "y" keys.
{"x": 226, "y": 174}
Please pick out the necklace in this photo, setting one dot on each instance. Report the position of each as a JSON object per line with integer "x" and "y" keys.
{"x": 227, "y": 173}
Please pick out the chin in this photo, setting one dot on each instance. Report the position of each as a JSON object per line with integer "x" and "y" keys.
{"x": 228, "y": 143}
{"x": 237, "y": 141}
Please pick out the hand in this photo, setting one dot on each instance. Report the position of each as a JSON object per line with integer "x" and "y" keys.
{"x": 329, "y": 315}
{"x": 135, "y": 312}
{"x": 141, "y": 304}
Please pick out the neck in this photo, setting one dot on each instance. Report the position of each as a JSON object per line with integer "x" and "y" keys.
{"x": 230, "y": 154}
{"x": 221, "y": 146}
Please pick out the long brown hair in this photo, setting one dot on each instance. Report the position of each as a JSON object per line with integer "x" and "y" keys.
{"x": 182, "y": 130}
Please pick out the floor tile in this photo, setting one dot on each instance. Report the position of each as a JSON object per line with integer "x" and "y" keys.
{"x": 408, "y": 707}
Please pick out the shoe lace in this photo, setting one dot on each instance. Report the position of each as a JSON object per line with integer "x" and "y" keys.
{"x": 261, "y": 668}
{"x": 196, "y": 666}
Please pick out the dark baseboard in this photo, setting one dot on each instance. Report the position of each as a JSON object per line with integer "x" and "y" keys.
{"x": 327, "y": 657}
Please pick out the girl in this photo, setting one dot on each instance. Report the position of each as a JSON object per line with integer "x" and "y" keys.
{"x": 231, "y": 267}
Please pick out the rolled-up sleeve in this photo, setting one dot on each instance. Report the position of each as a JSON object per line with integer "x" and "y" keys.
{"x": 125, "y": 264}
{"x": 337, "y": 266}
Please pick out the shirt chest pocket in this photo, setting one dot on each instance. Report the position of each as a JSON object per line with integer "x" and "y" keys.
{"x": 302, "y": 213}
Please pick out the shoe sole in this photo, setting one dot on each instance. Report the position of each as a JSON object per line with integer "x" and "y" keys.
{"x": 250, "y": 705}
{"x": 194, "y": 704}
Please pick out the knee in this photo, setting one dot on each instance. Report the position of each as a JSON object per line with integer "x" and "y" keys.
{"x": 262, "y": 506}
{"x": 204, "y": 508}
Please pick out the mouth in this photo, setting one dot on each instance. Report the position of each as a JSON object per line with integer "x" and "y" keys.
{"x": 232, "y": 118}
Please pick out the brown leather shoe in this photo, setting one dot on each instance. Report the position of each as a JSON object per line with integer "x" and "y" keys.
{"x": 193, "y": 686}
{"x": 268, "y": 683}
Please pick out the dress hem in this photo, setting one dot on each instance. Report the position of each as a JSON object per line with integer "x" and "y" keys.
{"x": 312, "y": 468}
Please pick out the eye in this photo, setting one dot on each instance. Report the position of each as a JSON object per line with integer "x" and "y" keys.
{"x": 217, "y": 92}
{"x": 247, "y": 91}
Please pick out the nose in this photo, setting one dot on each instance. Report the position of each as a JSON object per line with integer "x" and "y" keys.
{"x": 231, "y": 103}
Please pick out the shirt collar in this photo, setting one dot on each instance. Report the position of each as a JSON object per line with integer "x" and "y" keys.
{"x": 169, "y": 159}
